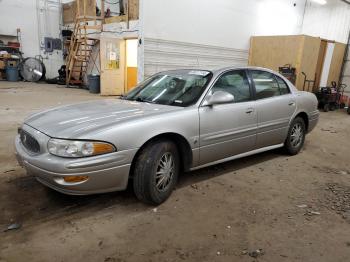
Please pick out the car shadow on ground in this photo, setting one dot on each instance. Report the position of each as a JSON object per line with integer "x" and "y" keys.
{"x": 25, "y": 199}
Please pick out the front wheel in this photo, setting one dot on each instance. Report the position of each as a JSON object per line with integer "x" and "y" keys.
{"x": 156, "y": 171}
{"x": 296, "y": 136}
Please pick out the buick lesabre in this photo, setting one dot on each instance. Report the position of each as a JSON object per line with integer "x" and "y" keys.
{"x": 173, "y": 122}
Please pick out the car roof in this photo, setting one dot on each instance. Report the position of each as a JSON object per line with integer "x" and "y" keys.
{"x": 215, "y": 70}
{"x": 222, "y": 69}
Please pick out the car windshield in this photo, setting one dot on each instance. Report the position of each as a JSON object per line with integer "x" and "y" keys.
{"x": 177, "y": 88}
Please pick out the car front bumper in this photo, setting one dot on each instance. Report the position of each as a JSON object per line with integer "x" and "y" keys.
{"x": 106, "y": 173}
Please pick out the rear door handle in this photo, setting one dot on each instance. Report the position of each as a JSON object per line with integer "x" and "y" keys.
{"x": 249, "y": 110}
{"x": 291, "y": 103}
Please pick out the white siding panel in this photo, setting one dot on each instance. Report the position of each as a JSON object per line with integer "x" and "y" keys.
{"x": 160, "y": 55}
{"x": 330, "y": 21}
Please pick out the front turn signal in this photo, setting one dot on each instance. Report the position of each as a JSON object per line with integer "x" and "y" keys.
{"x": 75, "y": 179}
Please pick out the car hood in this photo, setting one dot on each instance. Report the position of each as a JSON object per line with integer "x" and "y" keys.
{"x": 74, "y": 121}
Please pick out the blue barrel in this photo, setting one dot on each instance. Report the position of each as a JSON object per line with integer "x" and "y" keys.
{"x": 94, "y": 84}
{"x": 12, "y": 73}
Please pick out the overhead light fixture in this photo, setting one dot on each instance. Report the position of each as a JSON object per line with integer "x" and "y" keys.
{"x": 320, "y": 2}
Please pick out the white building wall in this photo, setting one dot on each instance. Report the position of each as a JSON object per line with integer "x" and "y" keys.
{"x": 49, "y": 24}
{"x": 36, "y": 19}
{"x": 21, "y": 14}
{"x": 330, "y": 21}
{"x": 194, "y": 33}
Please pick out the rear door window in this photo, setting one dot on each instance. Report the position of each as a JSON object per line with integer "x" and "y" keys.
{"x": 268, "y": 85}
{"x": 284, "y": 89}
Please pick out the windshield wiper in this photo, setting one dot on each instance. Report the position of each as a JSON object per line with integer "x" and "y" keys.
{"x": 140, "y": 99}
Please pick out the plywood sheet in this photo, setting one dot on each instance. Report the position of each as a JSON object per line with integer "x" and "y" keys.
{"x": 299, "y": 51}
{"x": 336, "y": 63}
{"x": 70, "y": 10}
{"x": 275, "y": 51}
{"x": 133, "y": 9}
{"x": 308, "y": 61}
{"x": 115, "y": 19}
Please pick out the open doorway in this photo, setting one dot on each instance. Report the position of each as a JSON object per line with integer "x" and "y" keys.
{"x": 320, "y": 62}
{"x": 131, "y": 64}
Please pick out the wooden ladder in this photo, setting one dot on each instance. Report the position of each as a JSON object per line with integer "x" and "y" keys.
{"x": 81, "y": 44}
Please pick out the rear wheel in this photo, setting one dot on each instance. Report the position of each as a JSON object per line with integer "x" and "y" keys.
{"x": 296, "y": 136}
{"x": 156, "y": 172}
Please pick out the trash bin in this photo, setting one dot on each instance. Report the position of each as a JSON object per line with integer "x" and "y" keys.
{"x": 94, "y": 84}
{"x": 12, "y": 73}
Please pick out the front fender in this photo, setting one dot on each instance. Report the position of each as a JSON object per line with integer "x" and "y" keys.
{"x": 134, "y": 134}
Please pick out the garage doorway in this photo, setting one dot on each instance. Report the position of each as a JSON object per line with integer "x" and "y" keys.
{"x": 131, "y": 64}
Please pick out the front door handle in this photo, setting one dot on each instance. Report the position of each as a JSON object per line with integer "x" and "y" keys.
{"x": 249, "y": 110}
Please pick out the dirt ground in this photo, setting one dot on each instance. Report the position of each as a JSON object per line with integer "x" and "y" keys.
{"x": 292, "y": 208}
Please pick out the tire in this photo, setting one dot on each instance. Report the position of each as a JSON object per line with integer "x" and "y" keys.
{"x": 326, "y": 107}
{"x": 348, "y": 109}
{"x": 155, "y": 159}
{"x": 332, "y": 107}
{"x": 293, "y": 143}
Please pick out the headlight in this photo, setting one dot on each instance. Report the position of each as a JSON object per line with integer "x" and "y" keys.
{"x": 70, "y": 148}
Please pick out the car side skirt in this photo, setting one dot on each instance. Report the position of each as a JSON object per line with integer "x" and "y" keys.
{"x": 253, "y": 152}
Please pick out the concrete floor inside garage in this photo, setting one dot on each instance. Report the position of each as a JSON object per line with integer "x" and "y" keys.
{"x": 293, "y": 208}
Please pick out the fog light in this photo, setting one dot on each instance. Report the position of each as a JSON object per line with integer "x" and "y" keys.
{"x": 75, "y": 179}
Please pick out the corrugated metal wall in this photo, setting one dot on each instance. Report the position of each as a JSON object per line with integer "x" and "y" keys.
{"x": 330, "y": 21}
{"x": 160, "y": 55}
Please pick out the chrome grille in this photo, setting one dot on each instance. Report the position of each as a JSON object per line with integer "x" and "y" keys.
{"x": 29, "y": 142}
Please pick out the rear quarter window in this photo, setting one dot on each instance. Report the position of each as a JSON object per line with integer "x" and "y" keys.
{"x": 284, "y": 89}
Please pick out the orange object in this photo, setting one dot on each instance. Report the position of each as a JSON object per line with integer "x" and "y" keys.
{"x": 100, "y": 148}
{"x": 75, "y": 179}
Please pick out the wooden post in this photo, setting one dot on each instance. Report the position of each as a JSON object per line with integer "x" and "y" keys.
{"x": 84, "y": 7}
{"x": 127, "y": 14}
{"x": 103, "y": 11}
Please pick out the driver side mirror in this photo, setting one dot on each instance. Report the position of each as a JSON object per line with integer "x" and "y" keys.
{"x": 219, "y": 97}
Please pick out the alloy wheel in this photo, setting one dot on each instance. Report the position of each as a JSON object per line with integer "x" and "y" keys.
{"x": 165, "y": 171}
{"x": 296, "y": 136}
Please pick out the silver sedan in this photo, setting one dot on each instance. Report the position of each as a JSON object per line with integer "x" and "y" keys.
{"x": 173, "y": 122}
